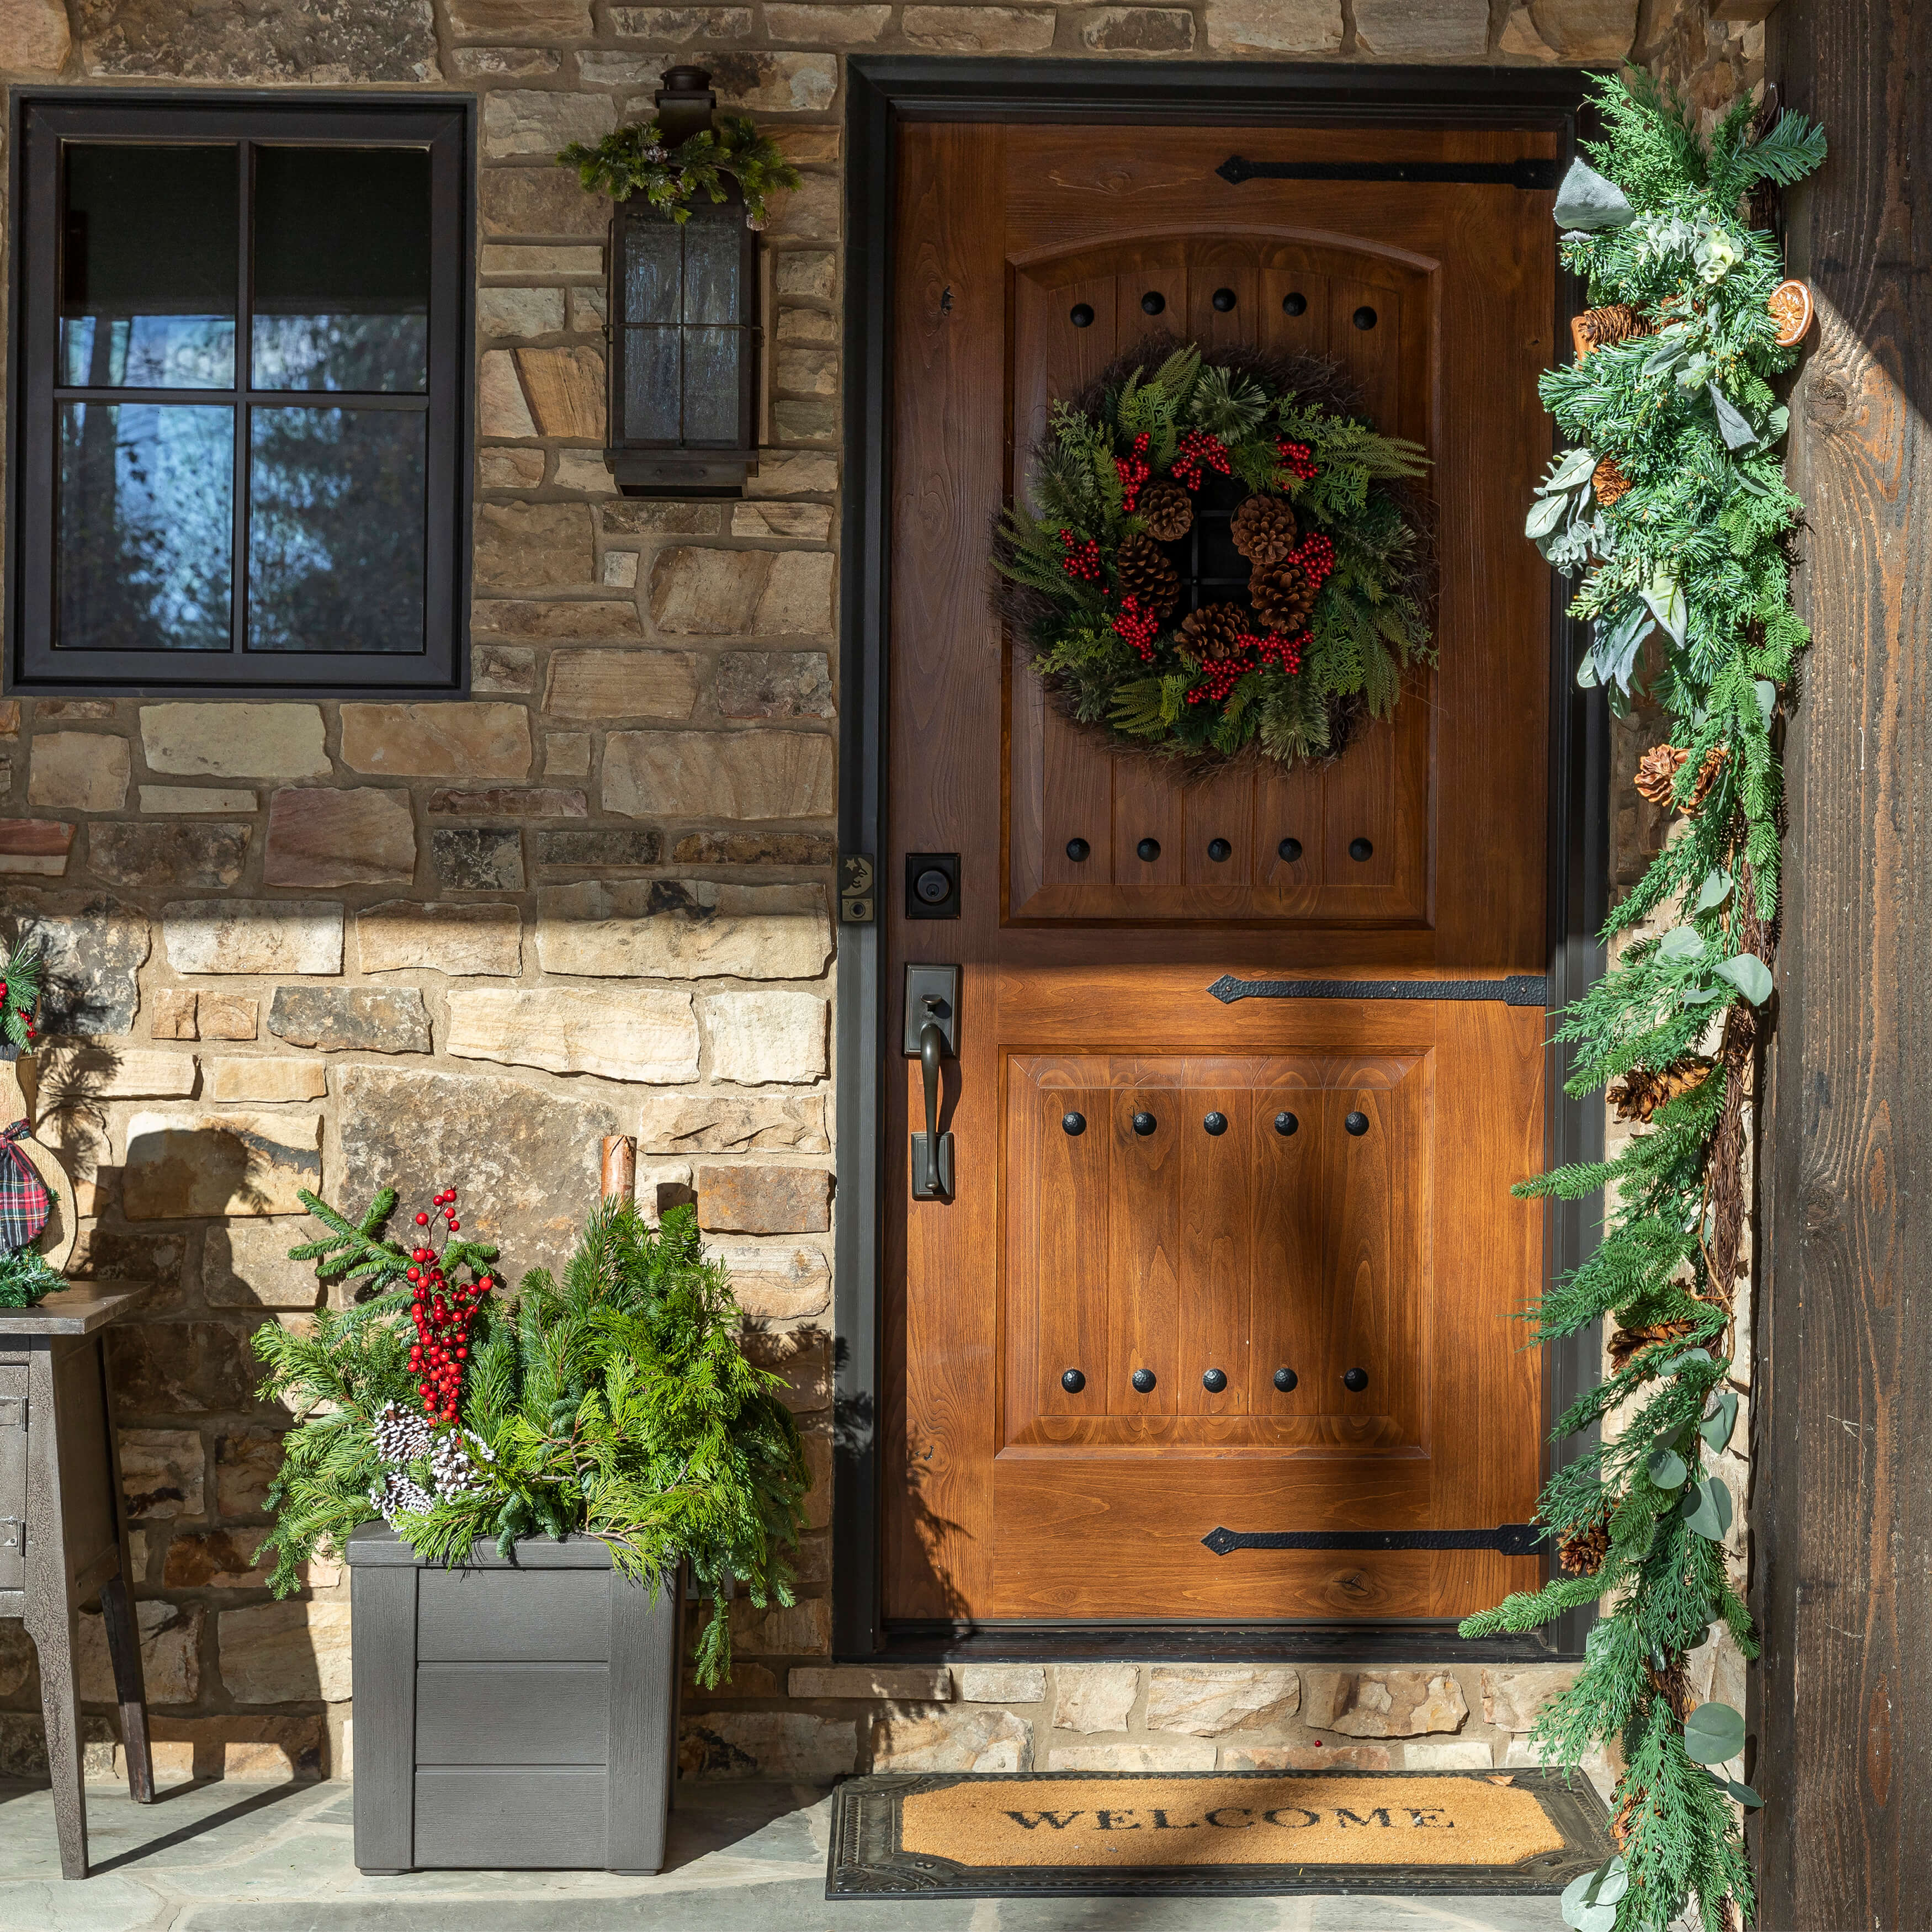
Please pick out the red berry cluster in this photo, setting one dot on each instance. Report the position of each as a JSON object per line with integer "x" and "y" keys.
{"x": 1296, "y": 458}
{"x": 1134, "y": 471}
{"x": 1257, "y": 653}
{"x": 1082, "y": 560}
{"x": 1138, "y": 625}
{"x": 1198, "y": 448}
{"x": 1315, "y": 555}
{"x": 442, "y": 1315}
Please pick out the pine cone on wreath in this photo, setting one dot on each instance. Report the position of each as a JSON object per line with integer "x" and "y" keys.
{"x": 1616, "y": 322}
{"x": 1283, "y": 596}
{"x": 1640, "y": 1093}
{"x": 1168, "y": 509}
{"x": 1625, "y": 1343}
{"x": 1213, "y": 632}
{"x": 1656, "y": 775}
{"x": 1264, "y": 529}
{"x": 1146, "y": 575}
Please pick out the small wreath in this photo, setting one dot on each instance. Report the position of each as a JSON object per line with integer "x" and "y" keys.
{"x": 1307, "y": 569}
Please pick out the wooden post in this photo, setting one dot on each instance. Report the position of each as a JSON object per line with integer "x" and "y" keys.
{"x": 1841, "y": 1514}
{"x": 620, "y": 1167}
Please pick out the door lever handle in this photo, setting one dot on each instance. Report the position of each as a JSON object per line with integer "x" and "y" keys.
{"x": 931, "y": 1029}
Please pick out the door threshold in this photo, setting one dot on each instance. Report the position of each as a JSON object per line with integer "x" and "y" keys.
{"x": 1422, "y": 1641}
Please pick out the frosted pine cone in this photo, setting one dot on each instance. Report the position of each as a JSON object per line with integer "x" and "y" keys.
{"x": 396, "y": 1493}
{"x": 1264, "y": 529}
{"x": 401, "y": 1435}
{"x": 456, "y": 1463}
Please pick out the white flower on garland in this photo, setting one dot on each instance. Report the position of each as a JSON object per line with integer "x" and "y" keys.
{"x": 396, "y": 1494}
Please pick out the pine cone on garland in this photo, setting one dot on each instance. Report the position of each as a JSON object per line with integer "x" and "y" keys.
{"x": 1264, "y": 529}
{"x": 1608, "y": 482}
{"x": 1656, "y": 775}
{"x": 1616, "y": 322}
{"x": 1641, "y": 1092}
{"x": 1213, "y": 632}
{"x": 1625, "y": 1343}
{"x": 1283, "y": 596}
{"x": 1168, "y": 508}
{"x": 1580, "y": 1553}
{"x": 1146, "y": 575}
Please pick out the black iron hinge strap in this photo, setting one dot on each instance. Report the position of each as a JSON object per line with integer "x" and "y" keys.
{"x": 1510, "y": 1539}
{"x": 1528, "y": 173}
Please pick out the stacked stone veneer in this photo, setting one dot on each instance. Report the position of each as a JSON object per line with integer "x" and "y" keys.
{"x": 358, "y": 943}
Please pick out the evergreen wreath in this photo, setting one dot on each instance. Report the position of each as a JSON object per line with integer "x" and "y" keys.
{"x": 1671, "y": 506}
{"x": 20, "y": 977}
{"x": 1337, "y": 568}
{"x": 634, "y": 160}
{"x": 615, "y": 1402}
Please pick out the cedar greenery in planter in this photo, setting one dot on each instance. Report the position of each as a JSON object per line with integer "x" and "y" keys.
{"x": 613, "y": 1404}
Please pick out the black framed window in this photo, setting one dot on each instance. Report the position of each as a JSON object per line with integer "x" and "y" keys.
{"x": 240, "y": 383}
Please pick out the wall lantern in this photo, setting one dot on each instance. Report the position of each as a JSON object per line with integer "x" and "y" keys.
{"x": 684, "y": 329}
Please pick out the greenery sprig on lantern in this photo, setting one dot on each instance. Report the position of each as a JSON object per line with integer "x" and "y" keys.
{"x": 1670, "y": 506}
{"x": 634, "y": 160}
{"x": 1277, "y": 449}
{"x": 614, "y": 1402}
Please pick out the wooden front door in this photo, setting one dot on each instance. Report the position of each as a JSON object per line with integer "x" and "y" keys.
{"x": 1281, "y": 1208}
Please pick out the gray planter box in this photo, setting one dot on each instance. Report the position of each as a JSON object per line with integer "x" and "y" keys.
{"x": 510, "y": 1715}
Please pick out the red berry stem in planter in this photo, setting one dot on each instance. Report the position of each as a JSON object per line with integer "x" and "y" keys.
{"x": 443, "y": 1312}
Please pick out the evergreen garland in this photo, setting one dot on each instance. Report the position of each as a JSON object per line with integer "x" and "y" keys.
{"x": 1672, "y": 506}
{"x": 615, "y": 1402}
{"x": 1330, "y": 624}
{"x": 20, "y": 979}
{"x": 634, "y": 160}
{"x": 25, "y": 1278}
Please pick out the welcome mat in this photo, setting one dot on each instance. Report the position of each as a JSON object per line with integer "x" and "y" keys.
{"x": 1020, "y": 1834}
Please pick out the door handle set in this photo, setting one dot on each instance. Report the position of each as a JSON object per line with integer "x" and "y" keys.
{"x": 931, "y": 1035}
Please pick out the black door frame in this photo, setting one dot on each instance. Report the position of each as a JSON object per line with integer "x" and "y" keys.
{"x": 881, "y": 90}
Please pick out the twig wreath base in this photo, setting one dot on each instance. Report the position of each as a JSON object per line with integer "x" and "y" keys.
{"x": 1304, "y": 620}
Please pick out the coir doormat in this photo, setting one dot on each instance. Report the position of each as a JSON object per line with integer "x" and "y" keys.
{"x": 1020, "y": 1833}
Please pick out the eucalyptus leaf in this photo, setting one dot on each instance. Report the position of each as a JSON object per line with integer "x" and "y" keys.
{"x": 1589, "y": 201}
{"x": 1681, "y": 942}
{"x": 1713, "y": 1734}
{"x": 1667, "y": 1469}
{"x": 1732, "y": 425}
{"x": 1718, "y": 887}
{"x": 1617, "y": 641}
{"x": 1683, "y": 1359}
{"x": 1579, "y": 1913}
{"x": 1665, "y": 596}
{"x": 1701, "y": 996}
{"x": 1743, "y": 1793}
{"x": 1716, "y": 1427}
{"x": 1767, "y": 696}
{"x": 1612, "y": 1880}
{"x": 1707, "y": 1511}
{"x": 1749, "y": 975}
{"x": 1671, "y": 348}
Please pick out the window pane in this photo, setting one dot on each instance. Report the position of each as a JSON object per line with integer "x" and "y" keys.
{"x": 149, "y": 263}
{"x": 342, "y": 257}
{"x": 145, "y": 524}
{"x": 335, "y": 530}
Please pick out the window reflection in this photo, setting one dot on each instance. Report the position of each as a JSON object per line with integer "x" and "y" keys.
{"x": 335, "y": 530}
{"x": 342, "y": 260}
{"x": 149, "y": 267}
{"x": 146, "y": 522}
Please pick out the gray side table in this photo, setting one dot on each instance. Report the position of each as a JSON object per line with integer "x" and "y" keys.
{"x": 63, "y": 1533}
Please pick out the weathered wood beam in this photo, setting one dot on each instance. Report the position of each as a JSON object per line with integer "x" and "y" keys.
{"x": 1843, "y": 1506}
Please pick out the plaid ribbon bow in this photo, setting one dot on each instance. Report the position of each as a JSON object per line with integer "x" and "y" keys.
{"x": 24, "y": 1204}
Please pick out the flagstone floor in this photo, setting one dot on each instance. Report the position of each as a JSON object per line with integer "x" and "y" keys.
{"x": 745, "y": 1858}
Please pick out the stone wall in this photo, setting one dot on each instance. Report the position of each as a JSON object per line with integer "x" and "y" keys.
{"x": 461, "y": 943}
